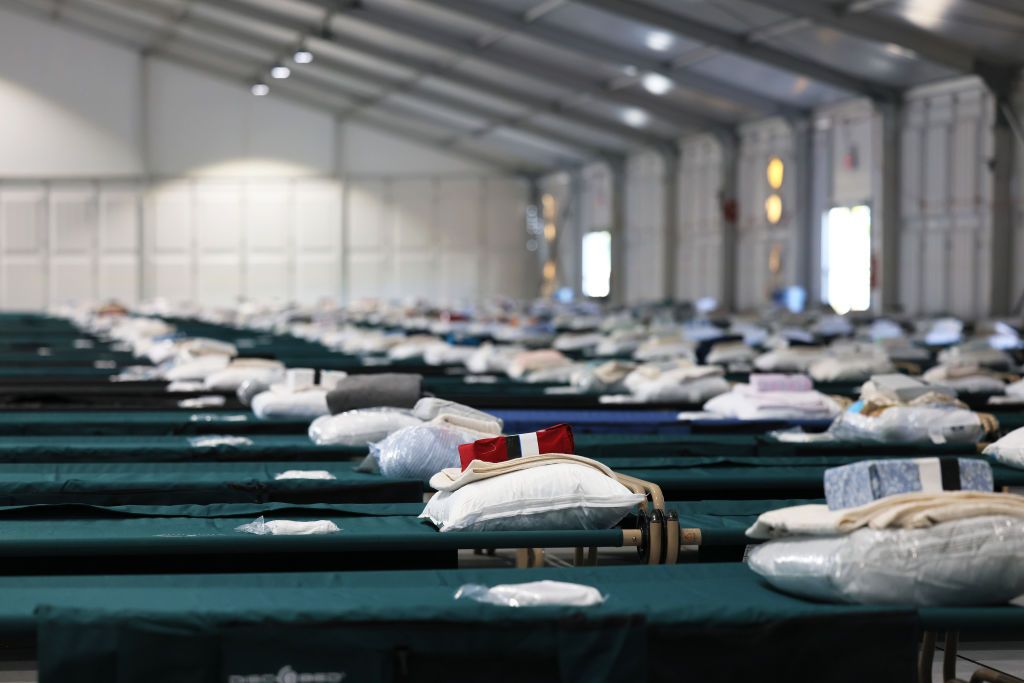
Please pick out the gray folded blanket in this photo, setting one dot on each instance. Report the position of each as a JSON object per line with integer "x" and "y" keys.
{"x": 391, "y": 390}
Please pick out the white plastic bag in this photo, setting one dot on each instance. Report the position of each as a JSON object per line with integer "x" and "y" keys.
{"x": 288, "y": 527}
{"x": 319, "y": 475}
{"x": 215, "y": 440}
{"x": 533, "y": 594}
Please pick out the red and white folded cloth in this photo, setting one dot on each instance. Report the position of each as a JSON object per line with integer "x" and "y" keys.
{"x": 556, "y": 439}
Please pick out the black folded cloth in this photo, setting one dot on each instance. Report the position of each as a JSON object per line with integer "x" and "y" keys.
{"x": 384, "y": 390}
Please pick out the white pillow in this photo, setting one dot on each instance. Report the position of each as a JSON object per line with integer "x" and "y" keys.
{"x": 197, "y": 369}
{"x": 359, "y": 427}
{"x": 1008, "y": 450}
{"x": 968, "y": 562}
{"x": 231, "y": 377}
{"x": 666, "y": 390}
{"x": 563, "y": 496}
{"x": 309, "y": 404}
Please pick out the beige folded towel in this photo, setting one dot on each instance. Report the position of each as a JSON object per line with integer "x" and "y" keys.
{"x": 453, "y": 478}
{"x": 905, "y": 511}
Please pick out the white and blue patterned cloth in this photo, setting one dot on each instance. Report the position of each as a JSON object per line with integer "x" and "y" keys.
{"x": 860, "y": 483}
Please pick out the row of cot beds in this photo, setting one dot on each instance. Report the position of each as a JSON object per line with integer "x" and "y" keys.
{"x": 120, "y": 559}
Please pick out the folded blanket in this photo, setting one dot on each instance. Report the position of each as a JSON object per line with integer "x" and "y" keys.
{"x": 454, "y": 478}
{"x": 392, "y": 390}
{"x": 762, "y": 382}
{"x": 906, "y": 511}
{"x": 861, "y": 482}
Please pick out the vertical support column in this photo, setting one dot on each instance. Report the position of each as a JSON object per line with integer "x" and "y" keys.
{"x": 344, "y": 286}
{"x": 618, "y": 226}
{"x": 807, "y": 222}
{"x": 142, "y": 286}
{"x": 570, "y": 233}
{"x": 728, "y": 183}
{"x": 1002, "y": 206}
{"x": 670, "y": 155}
{"x": 535, "y": 223}
{"x": 890, "y": 204}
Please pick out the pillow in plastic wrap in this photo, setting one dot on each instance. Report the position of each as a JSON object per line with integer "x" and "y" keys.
{"x": 1008, "y": 450}
{"x": 909, "y": 424}
{"x": 360, "y": 427}
{"x": 563, "y": 496}
{"x": 420, "y": 451}
{"x": 310, "y": 404}
{"x": 969, "y": 562}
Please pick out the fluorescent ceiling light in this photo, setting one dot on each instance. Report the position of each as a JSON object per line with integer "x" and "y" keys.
{"x": 302, "y": 57}
{"x": 260, "y": 89}
{"x": 659, "y": 41}
{"x": 656, "y": 84}
{"x": 280, "y": 72}
{"x": 635, "y": 117}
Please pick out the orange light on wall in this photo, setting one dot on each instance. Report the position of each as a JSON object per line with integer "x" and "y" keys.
{"x": 773, "y": 208}
{"x": 776, "y": 172}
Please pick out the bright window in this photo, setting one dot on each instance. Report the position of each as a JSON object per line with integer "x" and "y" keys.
{"x": 597, "y": 264}
{"x": 846, "y": 258}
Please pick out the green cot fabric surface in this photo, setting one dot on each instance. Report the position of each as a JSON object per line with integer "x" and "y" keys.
{"x": 724, "y": 522}
{"x": 407, "y": 626}
{"x": 144, "y": 423}
{"x": 177, "y": 483}
{"x": 727, "y": 480}
{"x": 72, "y": 531}
{"x": 42, "y": 449}
{"x": 625, "y": 445}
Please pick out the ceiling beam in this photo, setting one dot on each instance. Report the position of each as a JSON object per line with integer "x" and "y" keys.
{"x": 744, "y": 46}
{"x": 1013, "y": 7}
{"x": 570, "y": 112}
{"x": 924, "y": 44}
{"x": 117, "y": 36}
{"x": 493, "y": 119}
{"x": 613, "y": 54}
{"x": 677, "y": 116}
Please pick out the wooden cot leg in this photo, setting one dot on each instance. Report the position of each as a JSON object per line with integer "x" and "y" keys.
{"x": 926, "y": 658}
{"x": 592, "y": 556}
{"x": 949, "y": 648}
{"x": 522, "y": 558}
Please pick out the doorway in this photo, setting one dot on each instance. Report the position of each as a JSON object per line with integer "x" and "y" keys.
{"x": 846, "y": 258}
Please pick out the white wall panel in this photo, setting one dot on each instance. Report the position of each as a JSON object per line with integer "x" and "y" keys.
{"x": 947, "y": 200}
{"x": 73, "y": 214}
{"x": 759, "y": 142}
{"x": 700, "y": 244}
{"x": 644, "y": 235}
{"x": 23, "y": 231}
